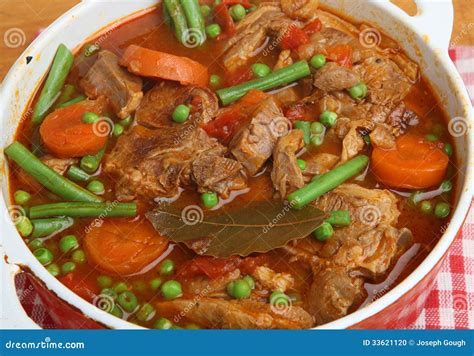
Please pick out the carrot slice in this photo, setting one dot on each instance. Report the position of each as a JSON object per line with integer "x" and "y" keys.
{"x": 413, "y": 164}
{"x": 122, "y": 247}
{"x": 148, "y": 63}
{"x": 65, "y": 135}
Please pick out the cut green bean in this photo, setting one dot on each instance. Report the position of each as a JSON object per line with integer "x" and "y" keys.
{"x": 83, "y": 209}
{"x": 175, "y": 11}
{"x": 339, "y": 218}
{"x": 67, "y": 94}
{"x": 279, "y": 77}
{"x": 326, "y": 182}
{"x": 76, "y": 100}
{"x": 50, "y": 179}
{"x": 58, "y": 73}
{"x": 78, "y": 175}
{"x": 305, "y": 127}
{"x": 47, "y": 227}
{"x": 90, "y": 163}
{"x": 195, "y": 20}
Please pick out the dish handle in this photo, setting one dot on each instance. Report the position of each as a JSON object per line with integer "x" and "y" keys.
{"x": 434, "y": 19}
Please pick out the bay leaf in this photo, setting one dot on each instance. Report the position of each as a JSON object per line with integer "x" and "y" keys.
{"x": 258, "y": 226}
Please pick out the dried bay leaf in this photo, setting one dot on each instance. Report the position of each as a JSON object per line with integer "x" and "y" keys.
{"x": 258, "y": 226}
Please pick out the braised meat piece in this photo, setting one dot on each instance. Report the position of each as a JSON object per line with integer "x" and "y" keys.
{"x": 254, "y": 143}
{"x": 335, "y": 77}
{"x": 299, "y": 9}
{"x": 286, "y": 174}
{"x": 236, "y": 314}
{"x": 106, "y": 77}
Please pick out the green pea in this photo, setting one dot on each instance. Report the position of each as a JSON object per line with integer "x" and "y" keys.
{"x": 414, "y": 198}
{"x": 250, "y": 281}
{"x": 167, "y": 267}
{"x": 43, "y": 255}
{"x": 78, "y": 256}
{"x": 251, "y": 9}
{"x": 239, "y": 289}
{"x": 217, "y": 2}
{"x": 126, "y": 122}
{"x": 104, "y": 281}
{"x": 24, "y": 226}
{"x": 431, "y": 137}
{"x": 446, "y": 186}
{"x": 90, "y": 117}
{"x": 301, "y": 163}
{"x": 171, "y": 289}
{"x": 324, "y": 231}
{"x": 139, "y": 286}
{"x": 68, "y": 267}
{"x": 260, "y": 70}
{"x": 448, "y": 149}
{"x": 213, "y": 30}
{"x": 316, "y": 140}
{"x": 318, "y": 61}
{"x": 316, "y": 128}
{"x": 279, "y": 298}
{"x": 442, "y": 210}
{"x": 146, "y": 312}
{"x": 237, "y": 12}
{"x": 215, "y": 81}
{"x": 358, "y": 91}
{"x": 426, "y": 207}
{"x": 68, "y": 243}
{"x": 110, "y": 292}
{"x": 181, "y": 113}
{"x": 128, "y": 301}
{"x": 155, "y": 283}
{"x": 209, "y": 200}
{"x": 205, "y": 10}
{"x": 118, "y": 130}
{"x": 21, "y": 197}
{"x": 54, "y": 269}
{"x": 116, "y": 311}
{"x": 120, "y": 287}
{"x": 162, "y": 324}
{"x": 35, "y": 244}
{"x": 328, "y": 118}
{"x": 96, "y": 186}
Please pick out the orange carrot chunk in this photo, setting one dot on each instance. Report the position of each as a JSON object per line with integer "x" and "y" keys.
{"x": 149, "y": 63}
{"x": 414, "y": 163}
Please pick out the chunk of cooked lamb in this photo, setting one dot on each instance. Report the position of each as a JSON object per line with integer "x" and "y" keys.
{"x": 235, "y": 314}
{"x": 335, "y": 77}
{"x": 286, "y": 174}
{"x": 272, "y": 280}
{"x": 300, "y": 9}
{"x": 106, "y": 77}
{"x": 254, "y": 143}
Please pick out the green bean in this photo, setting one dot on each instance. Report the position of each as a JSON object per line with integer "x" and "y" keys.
{"x": 83, "y": 209}
{"x": 46, "y": 227}
{"x": 175, "y": 10}
{"x": 50, "y": 179}
{"x": 78, "y": 175}
{"x": 58, "y": 73}
{"x": 305, "y": 127}
{"x": 279, "y": 77}
{"x": 76, "y": 100}
{"x": 66, "y": 94}
{"x": 90, "y": 163}
{"x": 327, "y": 181}
{"x": 194, "y": 18}
{"x": 339, "y": 218}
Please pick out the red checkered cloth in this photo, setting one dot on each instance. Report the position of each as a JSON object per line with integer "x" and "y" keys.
{"x": 451, "y": 303}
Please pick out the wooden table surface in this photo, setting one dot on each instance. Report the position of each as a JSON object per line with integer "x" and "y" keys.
{"x": 26, "y": 17}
